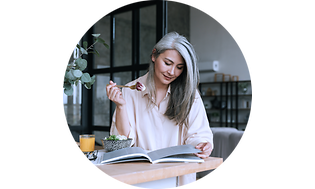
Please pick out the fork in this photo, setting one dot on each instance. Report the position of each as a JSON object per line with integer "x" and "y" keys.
{"x": 131, "y": 87}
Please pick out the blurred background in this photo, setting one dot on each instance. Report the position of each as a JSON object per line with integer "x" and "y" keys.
{"x": 131, "y": 32}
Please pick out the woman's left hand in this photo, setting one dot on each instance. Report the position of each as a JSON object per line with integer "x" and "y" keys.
{"x": 206, "y": 149}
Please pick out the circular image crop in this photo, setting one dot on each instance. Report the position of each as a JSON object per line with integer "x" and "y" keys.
{"x": 157, "y": 94}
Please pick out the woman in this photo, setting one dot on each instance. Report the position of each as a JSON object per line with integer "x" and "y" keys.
{"x": 169, "y": 111}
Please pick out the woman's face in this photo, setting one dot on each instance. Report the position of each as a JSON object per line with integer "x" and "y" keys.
{"x": 168, "y": 66}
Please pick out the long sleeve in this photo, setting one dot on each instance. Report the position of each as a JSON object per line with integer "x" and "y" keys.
{"x": 196, "y": 132}
{"x": 130, "y": 104}
{"x": 198, "y": 129}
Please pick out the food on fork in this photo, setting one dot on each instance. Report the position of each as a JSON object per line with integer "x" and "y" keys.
{"x": 140, "y": 86}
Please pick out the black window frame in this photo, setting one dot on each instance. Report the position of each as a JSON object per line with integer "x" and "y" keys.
{"x": 87, "y": 126}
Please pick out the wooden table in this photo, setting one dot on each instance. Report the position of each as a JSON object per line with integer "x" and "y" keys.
{"x": 140, "y": 172}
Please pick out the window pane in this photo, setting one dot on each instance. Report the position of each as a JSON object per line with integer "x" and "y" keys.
{"x": 122, "y": 78}
{"x": 103, "y": 59}
{"x": 100, "y": 135}
{"x": 72, "y": 106}
{"x": 178, "y": 18}
{"x": 123, "y": 37}
{"x": 100, "y": 100}
{"x": 147, "y": 32}
{"x": 143, "y": 72}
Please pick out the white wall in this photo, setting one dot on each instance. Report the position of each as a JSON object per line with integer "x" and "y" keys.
{"x": 212, "y": 42}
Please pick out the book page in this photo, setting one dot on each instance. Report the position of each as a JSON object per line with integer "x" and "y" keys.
{"x": 99, "y": 158}
{"x": 174, "y": 150}
{"x": 124, "y": 153}
{"x": 133, "y": 159}
{"x": 180, "y": 158}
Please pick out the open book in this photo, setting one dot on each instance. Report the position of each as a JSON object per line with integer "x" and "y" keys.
{"x": 181, "y": 153}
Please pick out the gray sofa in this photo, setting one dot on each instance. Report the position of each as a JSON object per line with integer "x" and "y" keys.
{"x": 225, "y": 140}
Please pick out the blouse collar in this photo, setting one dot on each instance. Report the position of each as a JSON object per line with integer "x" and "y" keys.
{"x": 143, "y": 80}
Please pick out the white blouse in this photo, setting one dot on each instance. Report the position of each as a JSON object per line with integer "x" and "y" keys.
{"x": 152, "y": 130}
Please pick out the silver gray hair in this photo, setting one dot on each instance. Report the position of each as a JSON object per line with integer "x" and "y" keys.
{"x": 184, "y": 88}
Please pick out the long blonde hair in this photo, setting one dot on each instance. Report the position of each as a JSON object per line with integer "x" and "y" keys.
{"x": 183, "y": 89}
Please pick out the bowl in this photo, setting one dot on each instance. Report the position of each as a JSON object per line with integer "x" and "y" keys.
{"x": 112, "y": 145}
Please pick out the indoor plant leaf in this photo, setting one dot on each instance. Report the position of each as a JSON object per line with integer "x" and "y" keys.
{"x": 88, "y": 85}
{"x": 76, "y": 82}
{"x": 96, "y": 35}
{"x": 96, "y": 52}
{"x": 66, "y": 77}
{"x": 86, "y": 78}
{"x": 78, "y": 46}
{"x": 68, "y": 92}
{"x": 70, "y": 75}
{"x": 83, "y": 51}
{"x": 77, "y": 73}
{"x": 71, "y": 81}
{"x": 100, "y": 40}
{"x": 85, "y": 44}
{"x": 92, "y": 51}
{"x": 92, "y": 80}
{"x": 67, "y": 86}
{"x": 81, "y": 63}
{"x": 107, "y": 46}
{"x": 103, "y": 42}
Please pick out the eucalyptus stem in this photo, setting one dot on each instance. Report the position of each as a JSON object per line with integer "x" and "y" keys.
{"x": 91, "y": 46}
{"x": 74, "y": 73}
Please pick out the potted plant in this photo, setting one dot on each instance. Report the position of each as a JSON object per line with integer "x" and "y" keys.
{"x": 75, "y": 69}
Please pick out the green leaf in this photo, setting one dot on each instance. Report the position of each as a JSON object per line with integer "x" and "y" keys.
{"x": 77, "y": 73}
{"x": 68, "y": 92}
{"x": 83, "y": 51}
{"x": 86, "y": 78}
{"x": 107, "y": 46}
{"x": 81, "y": 63}
{"x": 87, "y": 85}
{"x": 96, "y": 52}
{"x": 71, "y": 82}
{"x": 67, "y": 86}
{"x": 100, "y": 40}
{"x": 103, "y": 42}
{"x": 85, "y": 44}
{"x": 93, "y": 51}
{"x": 65, "y": 75}
{"x": 92, "y": 80}
{"x": 70, "y": 75}
{"x": 78, "y": 46}
{"x": 76, "y": 82}
{"x": 96, "y": 35}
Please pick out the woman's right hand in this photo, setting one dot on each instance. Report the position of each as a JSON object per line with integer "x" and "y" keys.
{"x": 114, "y": 94}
